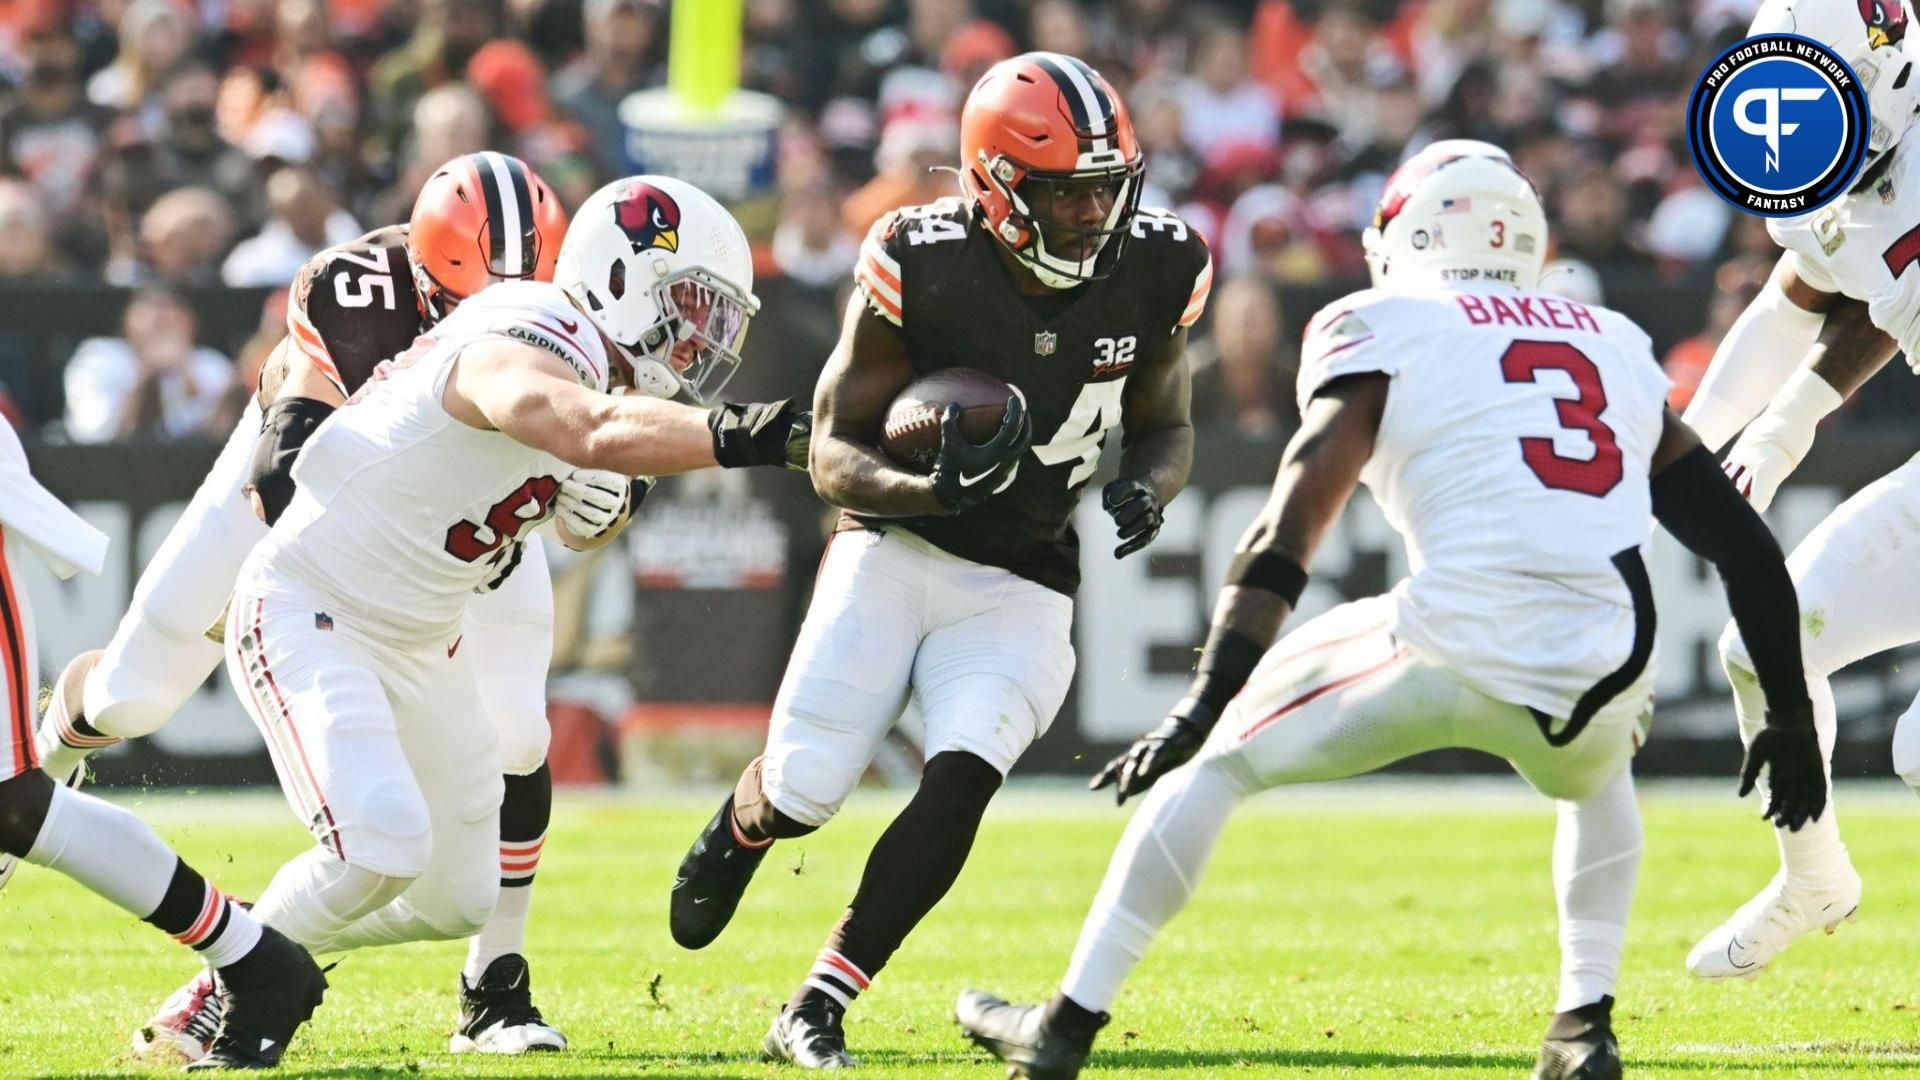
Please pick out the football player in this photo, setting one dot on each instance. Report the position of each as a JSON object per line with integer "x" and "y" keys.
{"x": 957, "y": 587}
{"x": 346, "y": 627}
{"x": 1520, "y": 444}
{"x": 1844, "y": 298}
{"x": 271, "y": 984}
{"x": 479, "y": 219}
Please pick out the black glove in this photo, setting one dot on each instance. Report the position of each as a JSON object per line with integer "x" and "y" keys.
{"x": 768, "y": 433}
{"x": 1158, "y": 752}
{"x": 1136, "y": 510}
{"x": 1796, "y": 775}
{"x": 964, "y": 472}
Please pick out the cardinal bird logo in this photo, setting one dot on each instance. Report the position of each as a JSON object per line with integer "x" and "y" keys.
{"x": 649, "y": 217}
{"x": 1886, "y": 22}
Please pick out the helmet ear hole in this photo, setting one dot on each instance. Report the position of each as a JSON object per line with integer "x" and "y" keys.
{"x": 617, "y": 279}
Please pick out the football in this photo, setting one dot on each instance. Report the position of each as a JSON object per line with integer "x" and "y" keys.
{"x": 911, "y": 434}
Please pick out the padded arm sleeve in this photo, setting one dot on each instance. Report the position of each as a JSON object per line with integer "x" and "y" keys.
{"x": 1699, "y": 506}
{"x": 283, "y": 431}
{"x": 1767, "y": 342}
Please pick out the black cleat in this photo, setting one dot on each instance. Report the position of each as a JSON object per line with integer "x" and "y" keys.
{"x": 1580, "y": 1045}
{"x": 498, "y": 1017}
{"x": 1020, "y": 1036}
{"x": 269, "y": 993}
{"x": 809, "y": 1036}
{"x": 710, "y": 882}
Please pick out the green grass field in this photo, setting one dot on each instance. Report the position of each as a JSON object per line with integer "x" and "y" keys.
{"x": 1379, "y": 931}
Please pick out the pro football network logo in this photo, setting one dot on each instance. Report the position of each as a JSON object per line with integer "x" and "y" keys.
{"x": 649, "y": 217}
{"x": 1778, "y": 125}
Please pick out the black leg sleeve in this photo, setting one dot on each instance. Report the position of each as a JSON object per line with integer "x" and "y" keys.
{"x": 1702, "y": 509}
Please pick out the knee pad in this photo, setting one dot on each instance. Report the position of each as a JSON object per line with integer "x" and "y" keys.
{"x": 523, "y": 742}
{"x": 396, "y": 836}
{"x": 808, "y": 785}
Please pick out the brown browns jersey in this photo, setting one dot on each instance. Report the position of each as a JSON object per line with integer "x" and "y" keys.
{"x": 935, "y": 274}
{"x": 353, "y": 306}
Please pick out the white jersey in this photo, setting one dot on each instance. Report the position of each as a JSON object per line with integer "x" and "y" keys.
{"x": 1513, "y": 458}
{"x": 401, "y": 510}
{"x": 1865, "y": 246}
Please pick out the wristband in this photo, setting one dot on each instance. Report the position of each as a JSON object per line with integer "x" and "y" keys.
{"x": 1269, "y": 571}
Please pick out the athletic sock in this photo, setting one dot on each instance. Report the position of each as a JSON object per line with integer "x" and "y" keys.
{"x": 526, "y": 809}
{"x": 1596, "y": 861}
{"x": 834, "y": 981}
{"x": 64, "y": 738}
{"x": 1153, "y": 874}
{"x": 1815, "y": 855}
{"x": 118, "y": 856}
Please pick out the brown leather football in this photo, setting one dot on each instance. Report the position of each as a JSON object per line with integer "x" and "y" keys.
{"x": 911, "y": 434}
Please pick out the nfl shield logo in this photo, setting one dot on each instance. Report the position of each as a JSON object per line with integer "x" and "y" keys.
{"x": 1044, "y": 341}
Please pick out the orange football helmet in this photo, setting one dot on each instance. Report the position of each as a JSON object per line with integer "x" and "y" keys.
{"x": 481, "y": 218}
{"x": 1051, "y": 164}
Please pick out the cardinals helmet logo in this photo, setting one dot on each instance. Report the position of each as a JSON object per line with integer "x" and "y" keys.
{"x": 1886, "y": 22}
{"x": 649, "y": 217}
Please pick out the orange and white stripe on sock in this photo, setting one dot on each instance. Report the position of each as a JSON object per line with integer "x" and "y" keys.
{"x": 519, "y": 860}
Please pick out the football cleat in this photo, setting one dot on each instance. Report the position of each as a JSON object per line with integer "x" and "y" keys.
{"x": 1580, "y": 1045}
{"x": 810, "y": 1036}
{"x": 1754, "y": 935}
{"x": 711, "y": 879}
{"x": 269, "y": 993}
{"x": 186, "y": 1023}
{"x": 1019, "y": 1035}
{"x": 497, "y": 1015}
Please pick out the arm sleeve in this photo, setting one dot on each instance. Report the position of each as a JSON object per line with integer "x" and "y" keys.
{"x": 284, "y": 429}
{"x": 1767, "y": 342}
{"x": 1699, "y": 506}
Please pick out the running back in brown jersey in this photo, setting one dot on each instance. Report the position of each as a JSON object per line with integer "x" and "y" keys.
{"x": 930, "y": 271}
{"x": 353, "y": 306}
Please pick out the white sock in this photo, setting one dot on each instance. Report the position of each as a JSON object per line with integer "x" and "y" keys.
{"x": 315, "y": 897}
{"x": 105, "y": 848}
{"x": 1596, "y": 860}
{"x": 62, "y": 748}
{"x": 118, "y": 856}
{"x": 1153, "y": 873}
{"x": 505, "y": 932}
{"x": 1815, "y": 855}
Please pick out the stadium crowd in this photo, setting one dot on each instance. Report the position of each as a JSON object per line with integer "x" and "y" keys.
{"x": 174, "y": 144}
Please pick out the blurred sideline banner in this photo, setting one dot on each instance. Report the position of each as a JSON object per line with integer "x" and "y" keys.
{"x": 687, "y": 627}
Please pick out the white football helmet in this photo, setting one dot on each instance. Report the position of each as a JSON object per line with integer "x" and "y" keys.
{"x": 1458, "y": 211}
{"x": 663, "y": 270}
{"x": 1871, "y": 36}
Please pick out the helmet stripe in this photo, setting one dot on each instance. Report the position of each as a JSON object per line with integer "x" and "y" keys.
{"x": 508, "y": 212}
{"x": 1091, "y": 111}
{"x": 490, "y": 194}
{"x": 528, "y": 232}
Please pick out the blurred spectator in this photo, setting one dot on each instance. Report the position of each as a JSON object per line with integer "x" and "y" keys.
{"x": 1339, "y": 69}
{"x": 978, "y": 46}
{"x": 1592, "y": 221}
{"x": 625, "y": 41}
{"x": 152, "y": 382}
{"x": 810, "y": 246}
{"x": 52, "y": 135}
{"x": 302, "y": 219}
{"x": 444, "y": 40}
{"x": 509, "y": 78}
{"x": 1221, "y": 106}
{"x": 153, "y": 36}
{"x": 26, "y": 234}
{"x": 448, "y": 121}
{"x": 1241, "y": 375}
{"x": 1735, "y": 285}
{"x": 182, "y": 239}
{"x": 1059, "y": 26}
{"x": 189, "y": 152}
{"x": 913, "y": 159}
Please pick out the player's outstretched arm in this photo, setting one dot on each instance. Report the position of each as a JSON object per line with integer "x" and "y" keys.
{"x": 1700, "y": 507}
{"x": 1759, "y": 353}
{"x": 1849, "y": 351}
{"x": 868, "y": 369}
{"x": 530, "y": 395}
{"x": 297, "y": 396}
{"x": 1156, "y": 432}
{"x": 1317, "y": 477}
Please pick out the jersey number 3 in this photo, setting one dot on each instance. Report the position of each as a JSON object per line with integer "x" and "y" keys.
{"x": 523, "y": 505}
{"x": 1589, "y": 476}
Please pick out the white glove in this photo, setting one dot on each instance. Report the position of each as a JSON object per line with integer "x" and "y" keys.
{"x": 591, "y": 501}
{"x": 1774, "y": 445}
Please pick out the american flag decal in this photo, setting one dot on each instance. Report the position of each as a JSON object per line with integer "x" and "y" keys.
{"x": 1456, "y": 206}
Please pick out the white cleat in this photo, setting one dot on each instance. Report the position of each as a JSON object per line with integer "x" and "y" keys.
{"x": 184, "y": 1027}
{"x": 1740, "y": 947}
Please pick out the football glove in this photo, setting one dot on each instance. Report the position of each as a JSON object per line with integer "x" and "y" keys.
{"x": 592, "y": 501}
{"x": 1775, "y": 443}
{"x": 776, "y": 433}
{"x": 1158, "y": 752}
{"x": 1796, "y": 773}
{"x": 1136, "y": 510}
{"x": 502, "y": 565}
{"x": 965, "y": 473}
